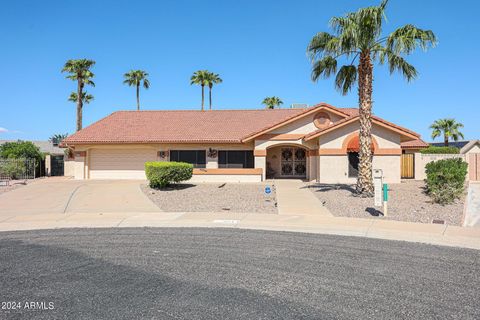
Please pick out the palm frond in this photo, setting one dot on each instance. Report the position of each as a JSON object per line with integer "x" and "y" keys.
{"x": 407, "y": 38}
{"x": 324, "y": 68}
{"x": 346, "y": 78}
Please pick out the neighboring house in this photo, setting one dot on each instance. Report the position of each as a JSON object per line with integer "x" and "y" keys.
{"x": 466, "y": 146}
{"x": 317, "y": 143}
{"x": 54, "y": 158}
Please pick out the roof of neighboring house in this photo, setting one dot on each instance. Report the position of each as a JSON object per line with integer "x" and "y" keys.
{"x": 414, "y": 144}
{"x": 458, "y": 144}
{"x": 469, "y": 146}
{"x": 214, "y": 126}
{"x": 44, "y": 146}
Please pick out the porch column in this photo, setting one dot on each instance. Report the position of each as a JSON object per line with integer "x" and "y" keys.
{"x": 261, "y": 161}
{"x": 80, "y": 159}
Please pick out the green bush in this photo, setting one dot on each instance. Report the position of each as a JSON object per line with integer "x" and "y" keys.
{"x": 13, "y": 169}
{"x": 446, "y": 179}
{"x": 440, "y": 150}
{"x": 161, "y": 174}
{"x": 20, "y": 150}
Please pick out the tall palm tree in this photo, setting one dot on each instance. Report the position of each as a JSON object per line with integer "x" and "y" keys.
{"x": 79, "y": 70}
{"x": 357, "y": 37}
{"x": 449, "y": 128}
{"x": 135, "y": 78}
{"x": 86, "y": 97}
{"x": 200, "y": 78}
{"x": 272, "y": 102}
{"x": 211, "y": 79}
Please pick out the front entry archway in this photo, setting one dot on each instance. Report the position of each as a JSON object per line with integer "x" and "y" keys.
{"x": 287, "y": 161}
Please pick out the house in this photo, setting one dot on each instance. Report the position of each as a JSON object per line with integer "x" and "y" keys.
{"x": 318, "y": 143}
{"x": 53, "y": 165}
{"x": 466, "y": 146}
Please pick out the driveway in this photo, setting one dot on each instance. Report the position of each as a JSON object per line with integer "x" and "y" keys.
{"x": 155, "y": 273}
{"x": 50, "y": 196}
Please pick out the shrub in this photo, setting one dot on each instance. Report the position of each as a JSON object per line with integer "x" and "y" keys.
{"x": 446, "y": 179}
{"x": 20, "y": 150}
{"x": 161, "y": 174}
{"x": 440, "y": 150}
{"x": 13, "y": 169}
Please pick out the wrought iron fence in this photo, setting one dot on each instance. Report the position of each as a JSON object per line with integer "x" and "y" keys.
{"x": 17, "y": 169}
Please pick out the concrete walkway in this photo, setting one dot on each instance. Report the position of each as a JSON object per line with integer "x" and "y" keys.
{"x": 472, "y": 211}
{"x": 293, "y": 198}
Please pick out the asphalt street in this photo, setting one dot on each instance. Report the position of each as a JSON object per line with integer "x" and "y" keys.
{"x": 156, "y": 273}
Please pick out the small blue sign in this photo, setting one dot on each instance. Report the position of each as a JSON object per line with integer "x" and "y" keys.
{"x": 268, "y": 190}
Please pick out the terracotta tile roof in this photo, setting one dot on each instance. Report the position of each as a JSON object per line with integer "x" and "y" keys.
{"x": 354, "y": 115}
{"x": 192, "y": 126}
{"x": 180, "y": 126}
{"x": 414, "y": 144}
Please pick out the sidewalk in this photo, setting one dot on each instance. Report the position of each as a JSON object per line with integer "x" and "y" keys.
{"x": 370, "y": 228}
{"x": 294, "y": 198}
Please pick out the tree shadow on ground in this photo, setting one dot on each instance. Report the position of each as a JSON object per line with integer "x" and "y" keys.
{"x": 328, "y": 187}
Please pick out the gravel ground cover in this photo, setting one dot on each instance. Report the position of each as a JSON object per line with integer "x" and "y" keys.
{"x": 407, "y": 202}
{"x": 214, "y": 197}
{"x": 14, "y": 184}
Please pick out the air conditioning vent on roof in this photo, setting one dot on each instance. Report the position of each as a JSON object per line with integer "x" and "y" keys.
{"x": 299, "y": 105}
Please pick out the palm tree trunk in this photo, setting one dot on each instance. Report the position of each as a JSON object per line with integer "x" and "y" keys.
{"x": 210, "y": 96}
{"x": 365, "y": 83}
{"x": 203, "y": 96}
{"x": 79, "y": 104}
{"x": 138, "y": 97}
{"x": 445, "y": 140}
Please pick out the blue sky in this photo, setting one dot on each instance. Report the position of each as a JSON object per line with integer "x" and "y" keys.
{"x": 258, "y": 48}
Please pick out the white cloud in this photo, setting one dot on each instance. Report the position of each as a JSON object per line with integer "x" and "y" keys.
{"x": 3, "y": 130}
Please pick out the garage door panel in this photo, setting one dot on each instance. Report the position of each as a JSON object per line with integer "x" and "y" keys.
{"x": 119, "y": 164}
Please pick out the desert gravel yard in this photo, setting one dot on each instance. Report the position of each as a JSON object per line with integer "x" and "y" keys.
{"x": 213, "y": 197}
{"x": 407, "y": 202}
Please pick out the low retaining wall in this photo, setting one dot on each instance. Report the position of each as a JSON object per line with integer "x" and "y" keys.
{"x": 227, "y": 175}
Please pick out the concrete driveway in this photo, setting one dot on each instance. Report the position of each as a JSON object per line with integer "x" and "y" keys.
{"x": 50, "y": 196}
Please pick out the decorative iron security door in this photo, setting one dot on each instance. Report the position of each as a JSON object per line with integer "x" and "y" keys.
{"x": 294, "y": 162}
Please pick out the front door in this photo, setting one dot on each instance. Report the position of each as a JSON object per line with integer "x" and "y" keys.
{"x": 294, "y": 162}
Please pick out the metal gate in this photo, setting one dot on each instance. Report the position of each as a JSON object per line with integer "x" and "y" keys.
{"x": 294, "y": 162}
{"x": 407, "y": 165}
{"x": 474, "y": 166}
{"x": 57, "y": 165}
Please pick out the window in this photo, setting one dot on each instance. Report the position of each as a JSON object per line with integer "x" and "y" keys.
{"x": 236, "y": 159}
{"x": 353, "y": 161}
{"x": 196, "y": 157}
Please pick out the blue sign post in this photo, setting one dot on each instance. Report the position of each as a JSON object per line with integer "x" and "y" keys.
{"x": 268, "y": 190}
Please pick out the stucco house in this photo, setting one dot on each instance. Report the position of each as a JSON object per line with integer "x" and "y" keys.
{"x": 318, "y": 143}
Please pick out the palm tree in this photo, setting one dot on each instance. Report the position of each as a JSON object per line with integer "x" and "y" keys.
{"x": 57, "y": 138}
{"x": 272, "y": 102}
{"x": 200, "y": 78}
{"x": 79, "y": 70}
{"x": 86, "y": 97}
{"x": 449, "y": 128}
{"x": 358, "y": 38}
{"x": 135, "y": 78}
{"x": 211, "y": 79}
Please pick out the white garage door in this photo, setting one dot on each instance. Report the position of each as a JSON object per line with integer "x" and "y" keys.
{"x": 119, "y": 164}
